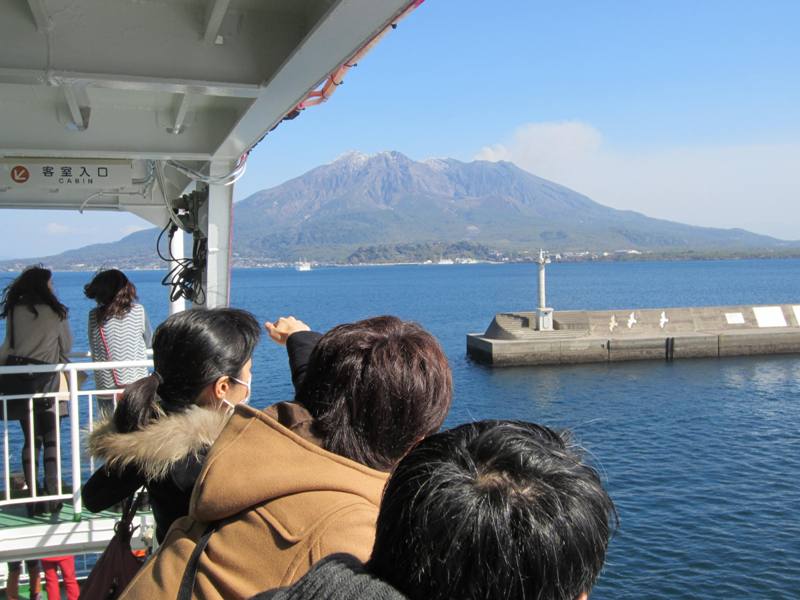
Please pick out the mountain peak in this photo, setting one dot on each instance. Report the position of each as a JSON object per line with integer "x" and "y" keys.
{"x": 356, "y": 158}
{"x": 352, "y": 157}
{"x": 437, "y": 164}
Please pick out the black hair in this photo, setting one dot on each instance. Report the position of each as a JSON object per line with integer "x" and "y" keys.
{"x": 29, "y": 289}
{"x": 376, "y": 387}
{"x": 113, "y": 292}
{"x": 493, "y": 510}
{"x": 190, "y": 350}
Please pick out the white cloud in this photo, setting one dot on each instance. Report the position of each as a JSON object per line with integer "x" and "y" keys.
{"x": 753, "y": 186}
{"x": 57, "y": 229}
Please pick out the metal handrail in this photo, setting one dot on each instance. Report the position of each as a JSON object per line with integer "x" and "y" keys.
{"x": 71, "y": 371}
{"x": 88, "y": 354}
{"x": 87, "y": 366}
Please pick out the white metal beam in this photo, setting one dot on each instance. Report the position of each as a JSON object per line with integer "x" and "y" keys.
{"x": 40, "y": 15}
{"x": 215, "y": 14}
{"x": 217, "y": 223}
{"x": 181, "y": 111}
{"x": 176, "y": 252}
{"x": 80, "y": 114}
{"x": 130, "y": 83}
{"x": 134, "y": 83}
{"x": 111, "y": 154}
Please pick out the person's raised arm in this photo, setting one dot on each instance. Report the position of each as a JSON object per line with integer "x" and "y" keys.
{"x": 107, "y": 487}
{"x": 299, "y": 341}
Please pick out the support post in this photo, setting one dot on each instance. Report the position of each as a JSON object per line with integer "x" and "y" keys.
{"x": 75, "y": 443}
{"x": 218, "y": 223}
{"x": 544, "y": 314}
{"x": 542, "y": 294}
{"x": 176, "y": 252}
{"x": 214, "y": 17}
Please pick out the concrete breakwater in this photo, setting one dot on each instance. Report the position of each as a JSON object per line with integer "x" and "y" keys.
{"x": 638, "y": 334}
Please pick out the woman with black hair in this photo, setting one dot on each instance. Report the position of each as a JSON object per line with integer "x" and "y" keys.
{"x": 37, "y": 332}
{"x": 165, "y": 423}
{"x": 285, "y": 487}
{"x": 118, "y": 330}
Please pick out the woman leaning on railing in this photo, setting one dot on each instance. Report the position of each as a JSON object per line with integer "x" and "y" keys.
{"x": 37, "y": 332}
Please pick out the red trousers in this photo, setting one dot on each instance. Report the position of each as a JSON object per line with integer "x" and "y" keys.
{"x": 67, "y": 566}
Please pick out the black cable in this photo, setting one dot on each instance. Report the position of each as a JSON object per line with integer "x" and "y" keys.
{"x": 186, "y": 277}
{"x": 158, "y": 241}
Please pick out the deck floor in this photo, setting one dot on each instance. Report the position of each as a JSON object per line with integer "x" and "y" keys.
{"x": 61, "y": 534}
{"x": 16, "y": 516}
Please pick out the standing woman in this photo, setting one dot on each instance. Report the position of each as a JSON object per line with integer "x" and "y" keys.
{"x": 37, "y": 331}
{"x": 165, "y": 423}
{"x": 118, "y": 330}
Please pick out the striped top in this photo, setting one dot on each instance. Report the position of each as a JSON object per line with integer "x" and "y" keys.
{"x": 127, "y": 337}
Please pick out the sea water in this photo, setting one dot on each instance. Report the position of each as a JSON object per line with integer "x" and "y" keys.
{"x": 702, "y": 457}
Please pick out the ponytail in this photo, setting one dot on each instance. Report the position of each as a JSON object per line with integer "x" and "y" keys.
{"x": 140, "y": 405}
{"x": 191, "y": 349}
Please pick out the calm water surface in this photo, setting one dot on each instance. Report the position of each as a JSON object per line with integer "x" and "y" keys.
{"x": 702, "y": 457}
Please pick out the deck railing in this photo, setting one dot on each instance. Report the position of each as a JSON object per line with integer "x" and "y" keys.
{"x": 77, "y": 428}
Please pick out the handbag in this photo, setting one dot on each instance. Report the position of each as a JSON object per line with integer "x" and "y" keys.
{"x": 117, "y": 565}
{"x": 24, "y": 383}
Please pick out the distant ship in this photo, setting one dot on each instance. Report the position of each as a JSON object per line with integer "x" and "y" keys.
{"x": 302, "y": 266}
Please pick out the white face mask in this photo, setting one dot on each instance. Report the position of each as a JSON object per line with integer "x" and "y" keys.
{"x": 245, "y": 384}
{"x": 231, "y": 405}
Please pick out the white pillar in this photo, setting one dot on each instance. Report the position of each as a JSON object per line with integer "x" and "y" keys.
{"x": 218, "y": 222}
{"x": 545, "y": 314}
{"x": 542, "y": 302}
{"x": 75, "y": 442}
{"x": 176, "y": 251}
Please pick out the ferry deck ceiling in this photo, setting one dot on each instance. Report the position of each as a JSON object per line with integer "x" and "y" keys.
{"x": 198, "y": 81}
{"x": 173, "y": 92}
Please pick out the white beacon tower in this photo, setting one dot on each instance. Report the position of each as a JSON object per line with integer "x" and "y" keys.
{"x": 544, "y": 314}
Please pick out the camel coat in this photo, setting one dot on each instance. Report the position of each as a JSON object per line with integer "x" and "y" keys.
{"x": 280, "y": 504}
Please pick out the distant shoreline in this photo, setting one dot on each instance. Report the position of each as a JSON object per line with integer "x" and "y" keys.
{"x": 615, "y": 258}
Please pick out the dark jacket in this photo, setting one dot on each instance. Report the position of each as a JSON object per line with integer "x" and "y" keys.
{"x": 299, "y": 347}
{"x": 338, "y": 577}
{"x": 166, "y": 457}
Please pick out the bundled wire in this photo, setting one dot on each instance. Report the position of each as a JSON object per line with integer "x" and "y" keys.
{"x": 146, "y": 183}
{"x": 186, "y": 277}
{"x": 227, "y": 179}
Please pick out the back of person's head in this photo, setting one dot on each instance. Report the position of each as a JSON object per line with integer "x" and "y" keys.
{"x": 191, "y": 349}
{"x": 375, "y": 388}
{"x": 493, "y": 510}
{"x": 32, "y": 287}
{"x": 113, "y": 292}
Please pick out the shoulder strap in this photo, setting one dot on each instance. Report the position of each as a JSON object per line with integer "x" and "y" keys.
{"x": 129, "y": 511}
{"x": 108, "y": 353}
{"x": 190, "y": 574}
{"x": 129, "y": 507}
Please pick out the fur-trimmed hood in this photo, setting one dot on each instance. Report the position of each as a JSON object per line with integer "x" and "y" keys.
{"x": 155, "y": 449}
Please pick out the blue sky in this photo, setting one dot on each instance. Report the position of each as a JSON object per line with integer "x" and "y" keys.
{"x": 681, "y": 110}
